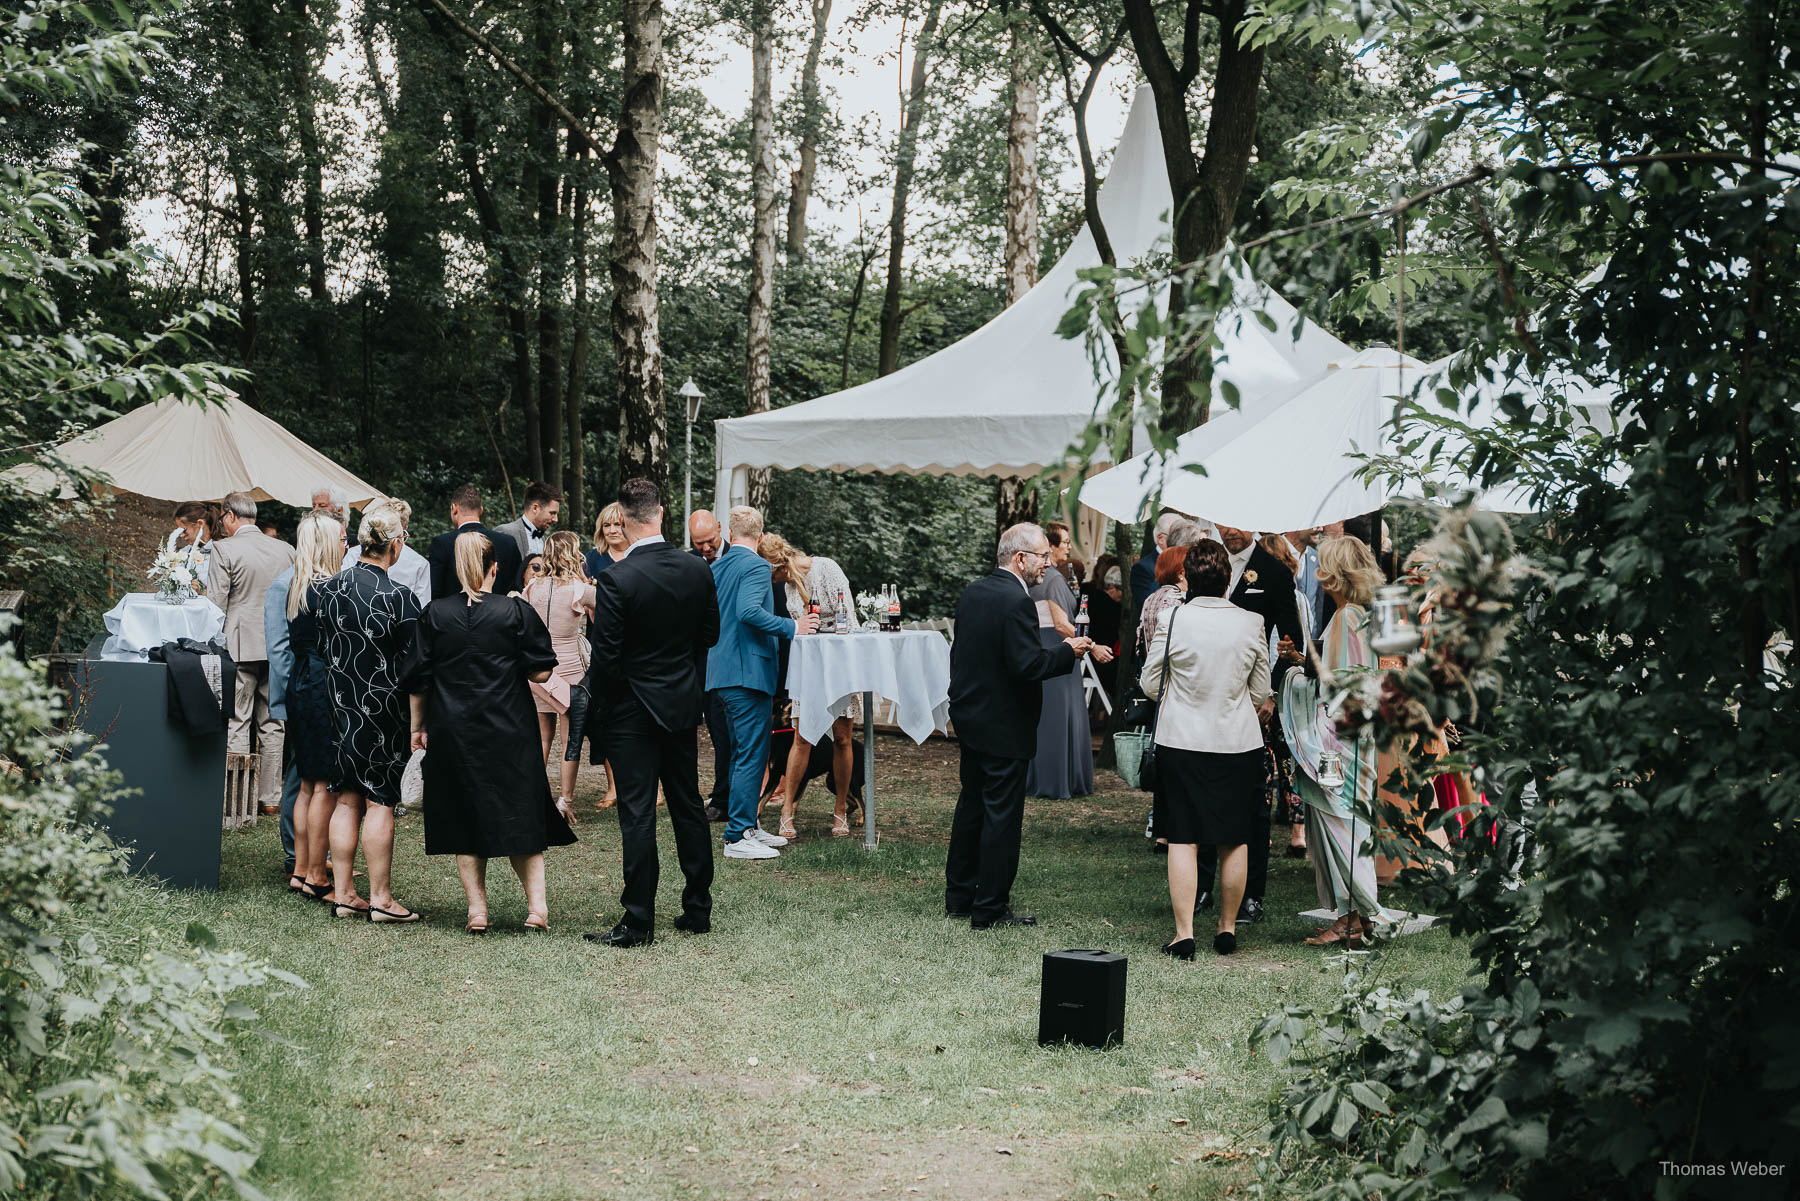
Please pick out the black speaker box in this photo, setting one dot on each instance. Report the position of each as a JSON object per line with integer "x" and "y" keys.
{"x": 1083, "y": 999}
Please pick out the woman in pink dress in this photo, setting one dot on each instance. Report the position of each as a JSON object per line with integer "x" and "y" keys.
{"x": 562, "y": 596}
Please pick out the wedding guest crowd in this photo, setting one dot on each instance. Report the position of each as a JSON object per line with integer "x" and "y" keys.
{"x": 1064, "y": 763}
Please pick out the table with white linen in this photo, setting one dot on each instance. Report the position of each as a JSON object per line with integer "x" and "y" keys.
{"x": 140, "y": 622}
{"x": 911, "y": 668}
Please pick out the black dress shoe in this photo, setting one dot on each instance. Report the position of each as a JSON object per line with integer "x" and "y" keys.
{"x": 622, "y": 935}
{"x": 1224, "y": 942}
{"x": 1294, "y": 852}
{"x": 1009, "y": 918}
{"x": 693, "y": 924}
{"x": 1250, "y": 912}
{"x": 1204, "y": 900}
{"x": 1180, "y": 950}
{"x": 954, "y": 915}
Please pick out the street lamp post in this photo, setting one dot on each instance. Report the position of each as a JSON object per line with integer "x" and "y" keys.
{"x": 693, "y": 396}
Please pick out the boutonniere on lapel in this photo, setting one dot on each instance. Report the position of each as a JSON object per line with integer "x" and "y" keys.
{"x": 1249, "y": 577}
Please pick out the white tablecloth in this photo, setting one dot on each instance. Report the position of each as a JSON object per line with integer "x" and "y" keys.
{"x": 910, "y": 668}
{"x": 139, "y": 621}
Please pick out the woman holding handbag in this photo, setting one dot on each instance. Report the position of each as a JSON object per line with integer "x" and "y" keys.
{"x": 561, "y": 597}
{"x": 1207, "y": 667}
{"x": 485, "y": 796}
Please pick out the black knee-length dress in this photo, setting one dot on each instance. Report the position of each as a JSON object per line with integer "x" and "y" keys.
{"x": 486, "y": 792}
{"x": 366, "y": 624}
{"x": 311, "y": 732}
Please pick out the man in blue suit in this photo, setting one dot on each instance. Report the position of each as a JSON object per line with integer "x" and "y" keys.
{"x": 741, "y": 669}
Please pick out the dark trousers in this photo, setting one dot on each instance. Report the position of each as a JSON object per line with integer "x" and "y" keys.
{"x": 984, "y": 835}
{"x": 718, "y": 728}
{"x": 643, "y": 754}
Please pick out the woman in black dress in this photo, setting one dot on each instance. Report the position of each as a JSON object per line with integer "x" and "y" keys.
{"x": 486, "y": 795}
{"x": 366, "y": 624}
{"x": 311, "y": 736}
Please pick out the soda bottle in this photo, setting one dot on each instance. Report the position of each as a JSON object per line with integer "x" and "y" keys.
{"x": 843, "y": 614}
{"x": 812, "y": 607}
{"x": 1081, "y": 620}
{"x": 893, "y": 607}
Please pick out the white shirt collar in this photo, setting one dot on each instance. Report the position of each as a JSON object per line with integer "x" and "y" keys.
{"x": 650, "y": 540}
{"x": 1239, "y": 562}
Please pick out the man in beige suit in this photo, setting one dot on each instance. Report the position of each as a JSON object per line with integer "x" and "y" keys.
{"x": 244, "y": 563}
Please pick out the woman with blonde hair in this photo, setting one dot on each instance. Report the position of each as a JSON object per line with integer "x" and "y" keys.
{"x": 561, "y": 597}
{"x": 808, "y": 580}
{"x": 311, "y": 736}
{"x": 469, "y": 673}
{"x": 609, "y": 541}
{"x": 1338, "y": 817}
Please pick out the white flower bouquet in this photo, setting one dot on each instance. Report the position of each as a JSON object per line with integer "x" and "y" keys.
{"x": 871, "y": 608}
{"x": 176, "y": 571}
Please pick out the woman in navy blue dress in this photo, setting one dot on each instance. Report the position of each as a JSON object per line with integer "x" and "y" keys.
{"x": 366, "y": 625}
{"x": 311, "y": 733}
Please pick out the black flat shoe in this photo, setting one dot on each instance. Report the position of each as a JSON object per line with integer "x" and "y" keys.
{"x": 693, "y": 924}
{"x": 1224, "y": 942}
{"x": 622, "y": 935}
{"x": 1180, "y": 950}
{"x": 1005, "y": 920}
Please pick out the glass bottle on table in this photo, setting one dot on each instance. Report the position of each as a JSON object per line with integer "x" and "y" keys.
{"x": 1081, "y": 619}
{"x": 842, "y": 617}
{"x": 812, "y": 608}
{"x": 893, "y": 608}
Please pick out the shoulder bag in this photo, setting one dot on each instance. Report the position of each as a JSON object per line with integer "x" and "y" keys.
{"x": 1135, "y": 750}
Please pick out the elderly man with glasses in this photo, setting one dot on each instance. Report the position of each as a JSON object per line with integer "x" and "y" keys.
{"x": 997, "y": 670}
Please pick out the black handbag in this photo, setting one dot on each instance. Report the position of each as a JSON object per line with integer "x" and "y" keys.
{"x": 1147, "y": 764}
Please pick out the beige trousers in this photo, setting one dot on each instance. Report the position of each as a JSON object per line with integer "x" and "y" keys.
{"x": 251, "y": 709}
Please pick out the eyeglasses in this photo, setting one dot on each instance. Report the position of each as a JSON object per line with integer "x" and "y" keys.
{"x": 1042, "y": 554}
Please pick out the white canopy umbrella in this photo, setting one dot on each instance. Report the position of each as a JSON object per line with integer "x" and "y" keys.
{"x": 1296, "y": 460}
{"x": 179, "y": 450}
{"x": 1010, "y": 398}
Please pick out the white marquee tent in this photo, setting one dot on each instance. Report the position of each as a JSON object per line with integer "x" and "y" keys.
{"x": 1011, "y": 397}
{"x": 180, "y": 450}
{"x": 1295, "y": 463}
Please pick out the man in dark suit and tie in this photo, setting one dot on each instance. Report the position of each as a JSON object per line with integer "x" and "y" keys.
{"x": 1262, "y": 584}
{"x": 655, "y": 617}
{"x": 465, "y": 518}
{"x": 997, "y": 670}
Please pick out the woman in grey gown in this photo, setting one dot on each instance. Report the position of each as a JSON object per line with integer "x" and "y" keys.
{"x": 1064, "y": 766}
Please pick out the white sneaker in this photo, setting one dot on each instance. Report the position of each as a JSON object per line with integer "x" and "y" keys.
{"x": 763, "y": 836}
{"x": 748, "y": 848}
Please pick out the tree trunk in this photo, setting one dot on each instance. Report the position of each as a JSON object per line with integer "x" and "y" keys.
{"x": 867, "y": 255}
{"x": 545, "y": 45}
{"x": 812, "y": 116}
{"x": 888, "y": 360}
{"x": 574, "y": 476}
{"x": 1206, "y": 189}
{"x": 1014, "y": 499}
{"x": 245, "y": 236}
{"x": 762, "y": 224}
{"x": 312, "y": 211}
{"x": 631, "y": 167}
{"x": 498, "y": 245}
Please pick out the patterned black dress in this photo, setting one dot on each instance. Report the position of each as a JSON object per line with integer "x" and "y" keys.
{"x": 311, "y": 732}
{"x": 366, "y": 627}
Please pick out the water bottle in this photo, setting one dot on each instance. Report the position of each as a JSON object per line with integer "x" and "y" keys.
{"x": 842, "y": 617}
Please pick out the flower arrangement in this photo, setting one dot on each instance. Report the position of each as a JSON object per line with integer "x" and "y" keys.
{"x": 176, "y": 571}
{"x": 871, "y": 608}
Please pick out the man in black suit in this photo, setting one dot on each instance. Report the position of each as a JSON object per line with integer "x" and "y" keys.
{"x": 1262, "y": 584}
{"x": 465, "y": 518}
{"x": 997, "y": 670}
{"x": 655, "y": 616}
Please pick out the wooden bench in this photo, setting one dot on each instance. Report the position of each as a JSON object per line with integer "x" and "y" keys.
{"x": 240, "y": 790}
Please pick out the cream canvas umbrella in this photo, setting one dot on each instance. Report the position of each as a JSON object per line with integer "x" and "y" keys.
{"x": 179, "y": 450}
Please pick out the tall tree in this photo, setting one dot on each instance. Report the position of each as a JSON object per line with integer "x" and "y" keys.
{"x": 543, "y": 176}
{"x": 888, "y": 355}
{"x": 762, "y": 223}
{"x": 1206, "y": 185}
{"x": 306, "y": 46}
{"x": 631, "y": 167}
{"x": 812, "y": 117}
{"x": 1014, "y": 499}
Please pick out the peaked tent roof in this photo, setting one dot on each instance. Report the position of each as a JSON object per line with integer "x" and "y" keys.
{"x": 1011, "y": 397}
{"x": 179, "y": 450}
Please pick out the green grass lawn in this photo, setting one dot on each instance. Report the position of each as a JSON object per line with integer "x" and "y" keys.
{"x": 833, "y": 1036}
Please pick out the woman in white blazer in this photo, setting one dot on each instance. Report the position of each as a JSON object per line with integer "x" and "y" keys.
{"x": 1207, "y": 666}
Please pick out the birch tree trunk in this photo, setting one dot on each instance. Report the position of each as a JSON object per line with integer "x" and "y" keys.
{"x": 762, "y": 224}
{"x": 888, "y": 359}
{"x": 1014, "y": 500}
{"x": 631, "y": 168}
{"x": 811, "y": 117}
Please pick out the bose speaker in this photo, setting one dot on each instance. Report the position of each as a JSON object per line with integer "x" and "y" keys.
{"x": 1083, "y": 999}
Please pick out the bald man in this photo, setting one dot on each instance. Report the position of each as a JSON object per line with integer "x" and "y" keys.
{"x": 703, "y": 532}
